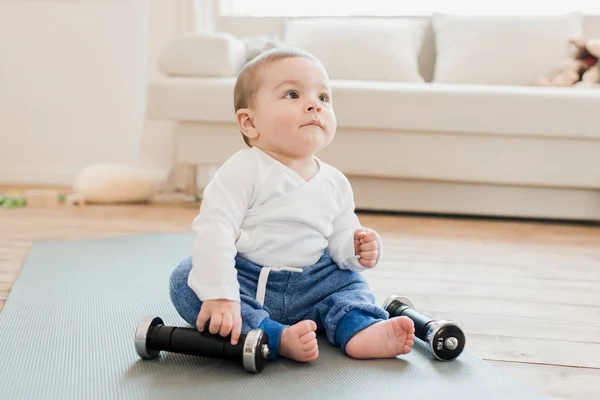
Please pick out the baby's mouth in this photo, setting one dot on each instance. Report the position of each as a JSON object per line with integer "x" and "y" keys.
{"x": 314, "y": 122}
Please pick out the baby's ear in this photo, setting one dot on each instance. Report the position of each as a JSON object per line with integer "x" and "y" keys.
{"x": 245, "y": 123}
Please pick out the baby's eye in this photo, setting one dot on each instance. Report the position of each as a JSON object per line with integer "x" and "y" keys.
{"x": 292, "y": 95}
{"x": 323, "y": 97}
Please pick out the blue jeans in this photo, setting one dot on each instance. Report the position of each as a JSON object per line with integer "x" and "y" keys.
{"x": 339, "y": 301}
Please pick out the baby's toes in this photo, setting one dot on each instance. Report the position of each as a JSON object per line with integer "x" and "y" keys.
{"x": 312, "y": 355}
{"x": 311, "y": 325}
{"x": 310, "y": 346}
{"x": 408, "y": 325}
{"x": 310, "y": 336}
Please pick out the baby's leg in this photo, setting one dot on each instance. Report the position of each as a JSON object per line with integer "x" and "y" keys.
{"x": 354, "y": 322}
{"x": 188, "y": 306}
{"x": 383, "y": 339}
{"x": 362, "y": 329}
{"x": 297, "y": 342}
{"x": 289, "y": 341}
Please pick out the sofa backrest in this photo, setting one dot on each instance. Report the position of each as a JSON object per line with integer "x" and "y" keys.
{"x": 275, "y": 26}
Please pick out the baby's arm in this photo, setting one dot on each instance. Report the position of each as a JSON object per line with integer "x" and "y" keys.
{"x": 216, "y": 228}
{"x": 341, "y": 242}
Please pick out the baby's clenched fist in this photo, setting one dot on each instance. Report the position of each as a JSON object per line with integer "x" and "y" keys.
{"x": 366, "y": 247}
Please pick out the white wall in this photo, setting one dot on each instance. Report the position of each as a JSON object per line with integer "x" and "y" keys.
{"x": 169, "y": 19}
{"x": 72, "y": 86}
{"x": 73, "y": 78}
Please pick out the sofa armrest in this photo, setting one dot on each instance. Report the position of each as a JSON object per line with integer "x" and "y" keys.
{"x": 218, "y": 54}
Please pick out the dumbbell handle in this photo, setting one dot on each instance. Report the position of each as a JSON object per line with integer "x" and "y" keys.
{"x": 193, "y": 342}
{"x": 422, "y": 322}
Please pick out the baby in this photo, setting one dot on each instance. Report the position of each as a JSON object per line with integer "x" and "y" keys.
{"x": 277, "y": 243}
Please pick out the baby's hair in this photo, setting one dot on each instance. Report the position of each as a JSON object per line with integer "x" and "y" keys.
{"x": 249, "y": 78}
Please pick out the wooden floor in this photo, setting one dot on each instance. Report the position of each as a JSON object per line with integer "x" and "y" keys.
{"x": 527, "y": 294}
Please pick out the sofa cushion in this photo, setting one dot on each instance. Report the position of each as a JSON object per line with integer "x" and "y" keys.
{"x": 219, "y": 54}
{"x": 501, "y": 50}
{"x": 199, "y": 99}
{"x": 361, "y": 48}
{"x": 475, "y": 109}
{"x": 413, "y": 107}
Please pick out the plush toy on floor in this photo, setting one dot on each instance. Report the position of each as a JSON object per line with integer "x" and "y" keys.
{"x": 115, "y": 183}
{"x": 581, "y": 70}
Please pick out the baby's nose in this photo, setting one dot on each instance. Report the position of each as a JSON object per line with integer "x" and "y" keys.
{"x": 314, "y": 107}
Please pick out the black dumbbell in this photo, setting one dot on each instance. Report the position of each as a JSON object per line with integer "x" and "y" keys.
{"x": 445, "y": 339}
{"x": 151, "y": 337}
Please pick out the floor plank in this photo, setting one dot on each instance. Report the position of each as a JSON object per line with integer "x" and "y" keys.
{"x": 576, "y": 275}
{"x": 559, "y": 383}
{"x": 526, "y": 350}
{"x": 501, "y": 306}
{"x": 540, "y": 291}
{"x": 543, "y": 329}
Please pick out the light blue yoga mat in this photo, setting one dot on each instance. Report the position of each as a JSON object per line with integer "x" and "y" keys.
{"x": 68, "y": 328}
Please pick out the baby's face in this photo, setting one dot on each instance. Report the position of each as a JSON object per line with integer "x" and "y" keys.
{"x": 293, "y": 110}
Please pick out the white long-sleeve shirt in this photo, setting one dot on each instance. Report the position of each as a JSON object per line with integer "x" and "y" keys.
{"x": 259, "y": 208}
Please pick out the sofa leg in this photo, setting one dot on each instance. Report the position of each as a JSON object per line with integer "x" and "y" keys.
{"x": 197, "y": 177}
{"x": 191, "y": 183}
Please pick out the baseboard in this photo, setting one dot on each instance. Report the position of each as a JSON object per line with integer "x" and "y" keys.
{"x": 10, "y": 175}
{"x": 454, "y": 198}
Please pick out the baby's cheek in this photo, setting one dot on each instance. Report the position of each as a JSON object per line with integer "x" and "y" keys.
{"x": 279, "y": 127}
{"x": 286, "y": 121}
{"x": 331, "y": 121}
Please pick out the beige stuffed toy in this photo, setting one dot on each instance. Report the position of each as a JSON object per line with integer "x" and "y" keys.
{"x": 566, "y": 74}
{"x": 582, "y": 70}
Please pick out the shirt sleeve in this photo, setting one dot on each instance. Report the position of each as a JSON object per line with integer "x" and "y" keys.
{"x": 216, "y": 229}
{"x": 341, "y": 242}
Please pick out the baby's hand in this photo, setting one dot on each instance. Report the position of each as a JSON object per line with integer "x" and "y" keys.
{"x": 225, "y": 318}
{"x": 366, "y": 247}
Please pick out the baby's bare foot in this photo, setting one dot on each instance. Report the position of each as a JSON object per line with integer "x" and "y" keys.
{"x": 299, "y": 342}
{"x": 384, "y": 339}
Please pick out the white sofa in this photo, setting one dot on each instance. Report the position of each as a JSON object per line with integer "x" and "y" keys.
{"x": 470, "y": 134}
